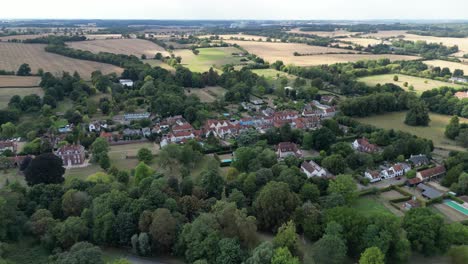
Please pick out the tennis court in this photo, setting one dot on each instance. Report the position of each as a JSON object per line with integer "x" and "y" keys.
{"x": 456, "y": 206}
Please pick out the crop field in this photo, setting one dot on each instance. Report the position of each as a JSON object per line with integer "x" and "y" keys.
{"x": 23, "y": 37}
{"x": 19, "y": 81}
{"x": 237, "y": 36}
{"x": 207, "y": 94}
{"x": 272, "y": 52}
{"x": 135, "y": 47}
{"x": 272, "y": 73}
{"x": 462, "y": 43}
{"x": 386, "y": 34}
{"x": 15, "y": 54}
{"x": 434, "y": 132}
{"x": 363, "y": 41}
{"x": 159, "y": 63}
{"x": 6, "y": 93}
{"x": 420, "y": 84}
{"x": 451, "y": 65}
{"x": 103, "y": 36}
{"x": 326, "y": 34}
{"x": 208, "y": 57}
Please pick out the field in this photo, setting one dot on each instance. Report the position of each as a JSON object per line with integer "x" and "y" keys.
{"x": 238, "y": 36}
{"x": 462, "y": 43}
{"x": 159, "y": 63}
{"x": 208, "y": 57}
{"x": 272, "y": 73}
{"x": 19, "y": 81}
{"x": 450, "y": 213}
{"x": 420, "y": 84}
{"x": 331, "y": 34}
{"x": 118, "y": 154}
{"x": 207, "y": 94}
{"x": 15, "y": 54}
{"x": 386, "y": 34}
{"x": 103, "y": 36}
{"x": 135, "y": 47}
{"x": 22, "y": 37}
{"x": 363, "y": 41}
{"x": 451, "y": 65}
{"x": 272, "y": 52}
{"x": 370, "y": 205}
{"x": 434, "y": 132}
{"x": 6, "y": 93}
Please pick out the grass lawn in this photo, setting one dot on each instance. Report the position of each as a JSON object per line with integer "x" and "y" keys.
{"x": 420, "y": 84}
{"x": 272, "y": 73}
{"x": 159, "y": 63}
{"x": 369, "y": 205}
{"x": 81, "y": 173}
{"x": 7, "y": 93}
{"x": 434, "y": 132}
{"x": 208, "y": 57}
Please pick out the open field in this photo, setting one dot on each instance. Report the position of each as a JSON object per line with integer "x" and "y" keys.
{"x": 15, "y": 54}
{"x": 6, "y": 93}
{"x": 159, "y": 63}
{"x": 207, "y": 94}
{"x": 103, "y": 36}
{"x": 462, "y": 43}
{"x": 208, "y": 57}
{"x": 237, "y": 36}
{"x": 386, "y": 34}
{"x": 329, "y": 34}
{"x": 434, "y": 132}
{"x": 19, "y": 81}
{"x": 272, "y": 73}
{"x": 451, "y": 65}
{"x": 272, "y": 52}
{"x": 420, "y": 84}
{"x": 370, "y": 205}
{"x": 23, "y": 37}
{"x": 135, "y": 47}
{"x": 391, "y": 195}
{"x": 363, "y": 41}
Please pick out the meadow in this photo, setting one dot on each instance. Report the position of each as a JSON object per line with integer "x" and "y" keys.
{"x": 208, "y": 57}
{"x": 159, "y": 63}
{"x": 435, "y": 130}
{"x": 19, "y": 81}
{"x": 15, "y": 54}
{"x": 325, "y": 34}
{"x": 135, "y": 47}
{"x": 420, "y": 84}
{"x": 207, "y": 94}
{"x": 237, "y": 36}
{"x": 451, "y": 65}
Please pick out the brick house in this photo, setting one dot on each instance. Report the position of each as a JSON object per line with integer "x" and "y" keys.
{"x": 71, "y": 155}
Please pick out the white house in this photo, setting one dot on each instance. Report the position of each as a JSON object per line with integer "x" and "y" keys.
{"x": 373, "y": 176}
{"x": 126, "y": 82}
{"x": 312, "y": 169}
{"x": 286, "y": 149}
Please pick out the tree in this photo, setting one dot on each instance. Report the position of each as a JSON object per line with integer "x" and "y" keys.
{"x": 287, "y": 237}
{"x": 395, "y": 78}
{"x": 308, "y": 219}
{"x": 73, "y": 202}
{"x": 99, "y": 148}
{"x": 83, "y": 253}
{"x": 142, "y": 171}
{"x": 372, "y": 255}
{"x": 283, "y": 256}
{"x": 145, "y": 155}
{"x": 453, "y": 128}
{"x": 274, "y": 205}
{"x": 459, "y": 254}
{"x": 45, "y": 168}
{"x": 212, "y": 183}
{"x": 262, "y": 254}
{"x": 329, "y": 249}
{"x": 24, "y": 70}
{"x": 70, "y": 231}
{"x": 334, "y": 163}
{"x": 462, "y": 138}
{"x": 230, "y": 251}
{"x": 163, "y": 229}
{"x": 344, "y": 185}
{"x": 418, "y": 114}
{"x": 8, "y": 130}
{"x": 309, "y": 192}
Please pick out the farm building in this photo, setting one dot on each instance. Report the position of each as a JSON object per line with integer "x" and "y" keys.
{"x": 419, "y": 160}
{"x": 428, "y": 174}
{"x": 71, "y": 155}
{"x": 136, "y": 116}
{"x": 413, "y": 203}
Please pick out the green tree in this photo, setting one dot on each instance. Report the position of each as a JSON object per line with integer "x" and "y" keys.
{"x": 163, "y": 229}
{"x": 8, "y": 130}
{"x": 212, "y": 182}
{"x": 24, "y": 70}
{"x": 142, "y": 171}
{"x": 418, "y": 114}
{"x": 83, "y": 253}
{"x": 395, "y": 78}
{"x": 372, "y": 255}
{"x": 344, "y": 185}
{"x": 73, "y": 202}
{"x": 453, "y": 128}
{"x": 230, "y": 251}
{"x": 145, "y": 155}
{"x": 459, "y": 254}
{"x": 334, "y": 163}
{"x": 283, "y": 256}
{"x": 308, "y": 218}
{"x": 45, "y": 168}
{"x": 287, "y": 237}
{"x": 462, "y": 138}
{"x": 262, "y": 254}
{"x": 99, "y": 148}
{"x": 329, "y": 249}
{"x": 70, "y": 231}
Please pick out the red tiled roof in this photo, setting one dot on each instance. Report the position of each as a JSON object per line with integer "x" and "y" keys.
{"x": 432, "y": 172}
{"x": 414, "y": 181}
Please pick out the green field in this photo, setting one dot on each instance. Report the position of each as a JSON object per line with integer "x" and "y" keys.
{"x": 208, "y": 57}
{"x": 272, "y": 73}
{"x": 7, "y": 93}
{"x": 420, "y": 84}
{"x": 159, "y": 63}
{"x": 435, "y": 130}
{"x": 369, "y": 205}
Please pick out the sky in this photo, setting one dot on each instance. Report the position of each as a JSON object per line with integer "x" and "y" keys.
{"x": 235, "y": 9}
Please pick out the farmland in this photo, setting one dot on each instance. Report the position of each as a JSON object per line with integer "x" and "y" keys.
{"x": 208, "y": 57}
{"x": 386, "y": 34}
{"x": 103, "y": 36}
{"x": 159, "y": 63}
{"x": 135, "y": 47}
{"x": 14, "y": 54}
{"x": 207, "y": 94}
{"x": 19, "y": 81}
{"x": 420, "y": 84}
{"x": 329, "y": 34}
{"x": 6, "y": 93}
{"x": 363, "y": 41}
{"x": 237, "y": 36}
{"x": 272, "y": 52}
{"x": 22, "y": 37}
{"x": 434, "y": 132}
{"x": 451, "y": 65}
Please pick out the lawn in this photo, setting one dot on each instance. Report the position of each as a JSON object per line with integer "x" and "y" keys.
{"x": 118, "y": 154}
{"x": 369, "y": 205}
{"x": 7, "y": 93}
{"x": 434, "y": 132}
{"x": 159, "y": 63}
{"x": 420, "y": 84}
{"x": 272, "y": 73}
{"x": 207, "y": 94}
{"x": 208, "y": 57}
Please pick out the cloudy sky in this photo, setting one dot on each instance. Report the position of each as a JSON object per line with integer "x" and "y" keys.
{"x": 236, "y": 9}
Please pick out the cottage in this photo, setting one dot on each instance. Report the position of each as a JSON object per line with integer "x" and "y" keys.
{"x": 128, "y": 132}
{"x": 363, "y": 145}
{"x": 413, "y": 182}
{"x": 373, "y": 176}
{"x": 428, "y": 174}
{"x": 312, "y": 169}
{"x": 96, "y": 126}
{"x": 126, "y": 82}
{"x": 106, "y": 135}
{"x": 286, "y": 149}
{"x": 8, "y": 145}
{"x": 71, "y": 155}
{"x": 419, "y": 160}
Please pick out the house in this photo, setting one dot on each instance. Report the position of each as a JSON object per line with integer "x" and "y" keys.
{"x": 419, "y": 160}
{"x": 363, "y": 145}
{"x": 458, "y": 79}
{"x": 126, "y": 82}
{"x": 429, "y": 192}
{"x": 17, "y": 160}
{"x": 136, "y": 116}
{"x": 312, "y": 169}
{"x": 71, "y": 155}
{"x": 182, "y": 127}
{"x": 268, "y": 111}
{"x": 327, "y": 99}
{"x": 257, "y": 102}
{"x": 286, "y": 149}
{"x": 146, "y": 131}
{"x": 177, "y": 137}
{"x": 285, "y": 115}
{"x": 373, "y": 176}
{"x": 461, "y": 95}
{"x": 312, "y": 122}
{"x": 428, "y": 174}
{"x": 96, "y": 126}
{"x": 397, "y": 170}
{"x": 106, "y": 135}
{"x": 8, "y": 145}
{"x": 128, "y": 132}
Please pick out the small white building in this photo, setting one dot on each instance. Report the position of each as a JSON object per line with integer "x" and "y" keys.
{"x": 373, "y": 176}
{"x": 126, "y": 82}
{"x": 312, "y": 169}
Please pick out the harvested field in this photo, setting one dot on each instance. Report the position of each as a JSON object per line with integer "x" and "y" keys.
{"x": 434, "y": 132}
{"x": 135, "y": 47}
{"x": 207, "y": 94}
{"x": 208, "y": 57}
{"x": 15, "y": 54}
{"x": 237, "y": 36}
{"x": 103, "y": 36}
{"x": 285, "y": 51}
{"x": 23, "y": 37}
{"x": 462, "y": 43}
{"x": 386, "y": 34}
{"x": 326, "y": 34}
{"x": 420, "y": 84}
{"x": 451, "y": 65}
{"x": 6, "y": 93}
{"x": 364, "y": 41}
{"x": 159, "y": 63}
{"x": 19, "y": 81}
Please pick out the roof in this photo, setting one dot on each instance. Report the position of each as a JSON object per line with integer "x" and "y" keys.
{"x": 419, "y": 158}
{"x": 432, "y": 172}
{"x": 429, "y": 192}
{"x": 461, "y": 95}
{"x": 70, "y": 148}
{"x": 7, "y": 144}
{"x": 374, "y": 174}
{"x": 287, "y": 147}
{"x": 414, "y": 181}
{"x": 311, "y": 166}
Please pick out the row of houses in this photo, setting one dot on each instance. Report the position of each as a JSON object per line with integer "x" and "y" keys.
{"x": 396, "y": 170}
